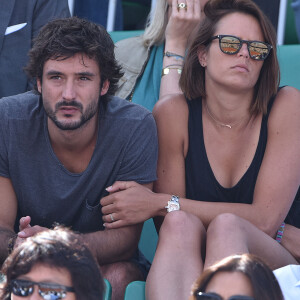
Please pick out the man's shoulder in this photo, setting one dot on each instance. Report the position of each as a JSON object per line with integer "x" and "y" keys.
{"x": 123, "y": 109}
{"x": 19, "y": 105}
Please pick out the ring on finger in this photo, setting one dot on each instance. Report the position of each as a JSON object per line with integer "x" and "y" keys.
{"x": 112, "y": 217}
{"x": 181, "y": 5}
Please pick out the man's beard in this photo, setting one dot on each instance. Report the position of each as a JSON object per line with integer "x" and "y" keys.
{"x": 86, "y": 114}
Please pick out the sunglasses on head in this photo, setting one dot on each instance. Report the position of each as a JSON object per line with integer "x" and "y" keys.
{"x": 214, "y": 296}
{"x": 230, "y": 44}
{"x": 48, "y": 291}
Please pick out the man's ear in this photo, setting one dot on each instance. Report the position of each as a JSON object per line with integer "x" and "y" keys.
{"x": 39, "y": 85}
{"x": 202, "y": 56}
{"x": 105, "y": 87}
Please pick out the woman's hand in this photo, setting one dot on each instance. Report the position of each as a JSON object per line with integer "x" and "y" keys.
{"x": 128, "y": 203}
{"x": 181, "y": 23}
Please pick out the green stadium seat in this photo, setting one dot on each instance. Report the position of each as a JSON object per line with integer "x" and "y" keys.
{"x": 135, "y": 291}
{"x": 107, "y": 294}
{"x": 121, "y": 35}
{"x": 148, "y": 240}
{"x": 289, "y": 61}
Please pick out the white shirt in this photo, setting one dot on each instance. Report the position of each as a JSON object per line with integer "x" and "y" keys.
{"x": 289, "y": 281}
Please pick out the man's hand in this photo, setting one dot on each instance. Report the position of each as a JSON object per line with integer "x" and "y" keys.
{"x": 128, "y": 203}
{"x": 26, "y": 230}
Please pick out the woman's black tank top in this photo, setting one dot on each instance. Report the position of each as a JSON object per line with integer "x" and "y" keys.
{"x": 201, "y": 183}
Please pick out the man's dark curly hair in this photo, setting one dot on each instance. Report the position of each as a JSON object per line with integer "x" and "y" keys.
{"x": 63, "y": 38}
{"x": 57, "y": 248}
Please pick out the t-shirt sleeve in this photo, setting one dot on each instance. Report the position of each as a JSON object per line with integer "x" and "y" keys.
{"x": 3, "y": 143}
{"x": 140, "y": 158}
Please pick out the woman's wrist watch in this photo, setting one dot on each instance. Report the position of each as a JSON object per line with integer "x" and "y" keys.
{"x": 173, "y": 204}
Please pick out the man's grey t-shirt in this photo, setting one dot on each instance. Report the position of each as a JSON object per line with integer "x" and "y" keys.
{"x": 126, "y": 149}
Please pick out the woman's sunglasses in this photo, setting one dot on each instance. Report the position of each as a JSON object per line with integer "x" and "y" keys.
{"x": 214, "y": 296}
{"x": 48, "y": 291}
{"x": 230, "y": 44}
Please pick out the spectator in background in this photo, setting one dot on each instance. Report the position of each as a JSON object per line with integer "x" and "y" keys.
{"x": 20, "y": 22}
{"x": 152, "y": 62}
{"x": 54, "y": 264}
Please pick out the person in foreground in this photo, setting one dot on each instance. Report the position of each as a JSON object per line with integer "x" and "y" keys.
{"x": 52, "y": 265}
{"x": 229, "y": 158}
{"x": 237, "y": 277}
{"x": 152, "y": 62}
{"x": 64, "y": 145}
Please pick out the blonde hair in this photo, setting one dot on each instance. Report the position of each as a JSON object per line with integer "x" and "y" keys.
{"x": 156, "y": 24}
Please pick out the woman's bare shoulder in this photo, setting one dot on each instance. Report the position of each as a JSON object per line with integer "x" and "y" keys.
{"x": 171, "y": 105}
{"x": 286, "y": 105}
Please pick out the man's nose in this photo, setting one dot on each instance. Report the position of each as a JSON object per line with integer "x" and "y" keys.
{"x": 69, "y": 90}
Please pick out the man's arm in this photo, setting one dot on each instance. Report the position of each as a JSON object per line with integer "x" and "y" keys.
{"x": 8, "y": 212}
{"x": 108, "y": 246}
{"x": 112, "y": 245}
{"x": 117, "y": 244}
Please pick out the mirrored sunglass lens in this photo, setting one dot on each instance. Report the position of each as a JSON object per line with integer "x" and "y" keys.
{"x": 230, "y": 44}
{"x": 258, "y": 50}
{"x": 52, "y": 293}
{"x": 22, "y": 289}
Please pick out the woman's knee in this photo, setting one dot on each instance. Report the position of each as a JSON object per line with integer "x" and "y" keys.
{"x": 225, "y": 225}
{"x": 181, "y": 225}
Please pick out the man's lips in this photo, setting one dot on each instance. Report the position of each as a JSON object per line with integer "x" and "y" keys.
{"x": 68, "y": 109}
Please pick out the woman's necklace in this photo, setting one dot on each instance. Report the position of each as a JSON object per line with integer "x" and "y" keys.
{"x": 220, "y": 123}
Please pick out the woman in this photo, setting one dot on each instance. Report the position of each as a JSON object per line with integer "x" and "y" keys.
{"x": 152, "y": 63}
{"x": 52, "y": 265}
{"x": 239, "y": 277}
{"x": 230, "y": 154}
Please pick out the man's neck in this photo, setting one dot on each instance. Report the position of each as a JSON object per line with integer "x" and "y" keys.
{"x": 74, "y": 148}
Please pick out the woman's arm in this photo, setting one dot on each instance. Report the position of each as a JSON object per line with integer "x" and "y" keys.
{"x": 180, "y": 26}
{"x": 171, "y": 116}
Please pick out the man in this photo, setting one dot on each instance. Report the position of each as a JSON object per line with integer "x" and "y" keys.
{"x": 20, "y": 22}
{"x": 61, "y": 149}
